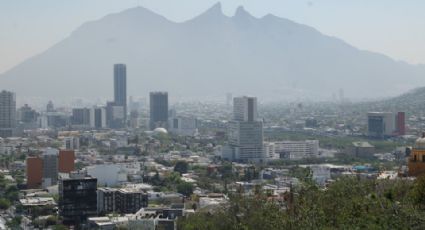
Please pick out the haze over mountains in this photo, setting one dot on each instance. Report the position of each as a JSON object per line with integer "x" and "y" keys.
{"x": 212, "y": 54}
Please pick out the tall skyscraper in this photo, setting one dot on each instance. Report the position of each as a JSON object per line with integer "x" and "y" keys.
{"x": 245, "y": 132}
{"x": 7, "y": 113}
{"x": 158, "y": 110}
{"x": 120, "y": 86}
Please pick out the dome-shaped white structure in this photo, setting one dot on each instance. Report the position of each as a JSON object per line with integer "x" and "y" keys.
{"x": 420, "y": 143}
{"x": 160, "y": 131}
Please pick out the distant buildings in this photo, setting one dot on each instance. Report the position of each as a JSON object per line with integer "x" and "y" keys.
{"x": 245, "y": 132}
{"x": 98, "y": 118}
{"x": 50, "y": 107}
{"x": 361, "y": 149}
{"x": 43, "y": 171}
{"x": 158, "y": 110}
{"x": 385, "y": 124}
{"x": 120, "y": 87}
{"x": 116, "y": 111}
{"x": 27, "y": 115}
{"x": 77, "y": 197}
{"x": 292, "y": 150}
{"x": 7, "y": 114}
{"x": 181, "y": 125}
{"x": 80, "y": 117}
{"x": 229, "y": 99}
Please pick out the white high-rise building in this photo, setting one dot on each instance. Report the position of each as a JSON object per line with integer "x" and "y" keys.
{"x": 245, "y": 109}
{"x": 245, "y": 132}
{"x": 98, "y": 117}
{"x": 7, "y": 113}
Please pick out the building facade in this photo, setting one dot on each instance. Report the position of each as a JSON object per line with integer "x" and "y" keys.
{"x": 245, "y": 132}
{"x": 34, "y": 172}
{"x": 77, "y": 198}
{"x": 98, "y": 118}
{"x": 66, "y": 161}
{"x": 296, "y": 150}
{"x": 80, "y": 116}
{"x": 416, "y": 160}
{"x": 50, "y": 167}
{"x": 381, "y": 124}
{"x": 120, "y": 86}
{"x": 123, "y": 201}
{"x": 158, "y": 110}
{"x": 7, "y": 114}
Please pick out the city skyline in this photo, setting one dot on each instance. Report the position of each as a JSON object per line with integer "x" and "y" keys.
{"x": 241, "y": 114}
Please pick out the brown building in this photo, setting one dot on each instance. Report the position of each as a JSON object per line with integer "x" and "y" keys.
{"x": 416, "y": 162}
{"x": 34, "y": 172}
{"x": 66, "y": 161}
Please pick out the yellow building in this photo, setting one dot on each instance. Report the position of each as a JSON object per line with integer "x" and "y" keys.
{"x": 416, "y": 163}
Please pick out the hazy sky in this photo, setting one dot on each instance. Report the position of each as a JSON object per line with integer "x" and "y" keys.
{"x": 392, "y": 27}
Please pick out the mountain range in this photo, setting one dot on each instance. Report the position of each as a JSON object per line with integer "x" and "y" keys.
{"x": 208, "y": 56}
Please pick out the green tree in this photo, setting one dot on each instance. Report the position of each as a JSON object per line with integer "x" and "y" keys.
{"x": 59, "y": 227}
{"x": 181, "y": 167}
{"x": 4, "y": 204}
{"x": 15, "y": 222}
{"x": 185, "y": 188}
{"x": 418, "y": 192}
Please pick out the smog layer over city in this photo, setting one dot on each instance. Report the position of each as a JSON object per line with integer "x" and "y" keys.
{"x": 198, "y": 114}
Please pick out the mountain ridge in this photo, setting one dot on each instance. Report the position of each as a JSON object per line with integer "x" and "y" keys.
{"x": 207, "y": 56}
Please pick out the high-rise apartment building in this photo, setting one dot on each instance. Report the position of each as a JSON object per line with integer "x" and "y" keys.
{"x": 245, "y": 132}
{"x": 80, "y": 116}
{"x": 27, "y": 115}
{"x": 120, "y": 87}
{"x": 7, "y": 113}
{"x": 98, "y": 117}
{"x": 66, "y": 161}
{"x": 34, "y": 172}
{"x": 158, "y": 110}
{"x": 50, "y": 167}
{"x": 123, "y": 201}
{"x": 129, "y": 200}
{"x": 245, "y": 109}
{"x": 77, "y": 197}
